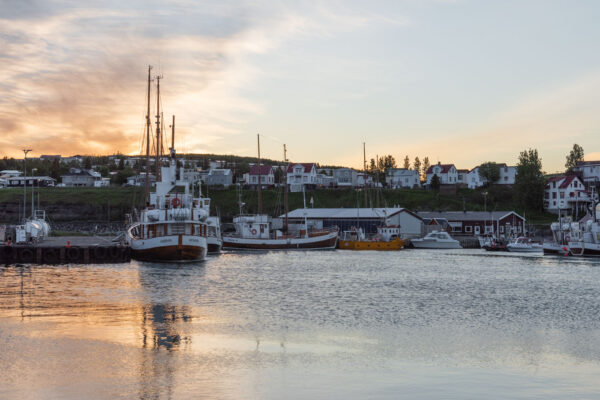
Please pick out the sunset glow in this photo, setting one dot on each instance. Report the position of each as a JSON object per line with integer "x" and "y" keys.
{"x": 459, "y": 81}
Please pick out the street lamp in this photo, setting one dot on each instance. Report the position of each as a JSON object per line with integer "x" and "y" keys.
{"x": 25, "y": 151}
{"x": 485, "y": 201}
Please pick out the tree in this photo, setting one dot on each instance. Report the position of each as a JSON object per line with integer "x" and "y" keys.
{"x": 426, "y": 166}
{"x": 575, "y": 155}
{"x": 406, "y": 162}
{"x": 490, "y": 171}
{"x": 87, "y": 163}
{"x": 121, "y": 163}
{"x": 55, "y": 170}
{"x": 435, "y": 182}
{"x": 529, "y": 182}
{"x": 417, "y": 166}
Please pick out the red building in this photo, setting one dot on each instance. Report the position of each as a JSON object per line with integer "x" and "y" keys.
{"x": 500, "y": 223}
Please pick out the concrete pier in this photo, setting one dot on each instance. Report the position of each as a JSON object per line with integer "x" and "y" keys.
{"x": 67, "y": 250}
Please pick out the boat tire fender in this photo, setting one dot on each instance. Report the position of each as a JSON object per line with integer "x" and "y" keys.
{"x": 73, "y": 254}
{"x": 114, "y": 252}
{"x": 50, "y": 256}
{"x": 26, "y": 255}
{"x": 253, "y": 231}
{"x": 100, "y": 253}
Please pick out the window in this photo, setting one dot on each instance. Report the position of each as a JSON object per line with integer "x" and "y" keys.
{"x": 468, "y": 228}
{"x": 562, "y": 195}
{"x": 501, "y": 229}
{"x": 519, "y": 228}
{"x": 506, "y": 178}
{"x": 553, "y": 195}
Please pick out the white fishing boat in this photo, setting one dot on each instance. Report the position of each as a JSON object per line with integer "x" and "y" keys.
{"x": 584, "y": 239}
{"x": 255, "y": 232}
{"x": 436, "y": 240}
{"x": 524, "y": 245}
{"x": 173, "y": 226}
{"x": 561, "y": 233}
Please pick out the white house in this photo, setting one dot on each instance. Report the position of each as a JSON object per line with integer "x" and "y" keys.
{"x": 588, "y": 170}
{"x": 447, "y": 173}
{"x": 565, "y": 192}
{"x": 402, "y": 178}
{"x": 345, "y": 177}
{"x": 363, "y": 179}
{"x": 462, "y": 176}
{"x": 324, "y": 180}
{"x": 301, "y": 174}
{"x": 507, "y": 176}
{"x": 10, "y": 173}
{"x": 267, "y": 176}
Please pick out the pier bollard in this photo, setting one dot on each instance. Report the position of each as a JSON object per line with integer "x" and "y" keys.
{"x": 68, "y": 244}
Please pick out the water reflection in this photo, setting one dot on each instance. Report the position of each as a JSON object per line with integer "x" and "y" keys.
{"x": 303, "y": 325}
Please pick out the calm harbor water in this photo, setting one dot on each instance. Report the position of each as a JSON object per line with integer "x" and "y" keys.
{"x": 455, "y": 324}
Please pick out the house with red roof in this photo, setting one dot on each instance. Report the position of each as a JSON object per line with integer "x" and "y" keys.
{"x": 301, "y": 175}
{"x": 265, "y": 173}
{"x": 565, "y": 192}
{"x": 447, "y": 173}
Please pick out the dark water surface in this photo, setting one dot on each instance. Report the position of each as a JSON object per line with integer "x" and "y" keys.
{"x": 456, "y": 324}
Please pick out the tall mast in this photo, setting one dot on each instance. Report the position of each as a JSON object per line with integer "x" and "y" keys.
{"x": 173, "y": 134}
{"x": 365, "y": 172}
{"x": 259, "y": 182}
{"x": 147, "y": 191}
{"x": 285, "y": 188}
{"x": 158, "y": 78}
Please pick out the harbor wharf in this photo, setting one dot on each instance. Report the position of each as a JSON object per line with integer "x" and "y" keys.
{"x": 67, "y": 250}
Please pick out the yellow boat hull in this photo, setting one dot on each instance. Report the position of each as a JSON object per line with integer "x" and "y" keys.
{"x": 396, "y": 244}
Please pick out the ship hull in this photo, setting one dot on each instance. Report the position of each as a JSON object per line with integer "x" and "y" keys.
{"x": 322, "y": 242}
{"x": 173, "y": 248}
{"x": 397, "y": 244}
{"x": 584, "y": 249}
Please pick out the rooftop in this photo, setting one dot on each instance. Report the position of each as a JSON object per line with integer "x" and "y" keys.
{"x": 467, "y": 215}
{"x": 345, "y": 213}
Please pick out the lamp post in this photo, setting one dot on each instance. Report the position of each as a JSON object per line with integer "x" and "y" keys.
{"x": 25, "y": 151}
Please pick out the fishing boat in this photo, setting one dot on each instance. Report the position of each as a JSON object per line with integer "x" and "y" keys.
{"x": 524, "y": 244}
{"x": 496, "y": 244}
{"x": 386, "y": 239}
{"x": 256, "y": 232}
{"x": 584, "y": 239}
{"x": 561, "y": 232}
{"x": 436, "y": 240}
{"x": 173, "y": 226}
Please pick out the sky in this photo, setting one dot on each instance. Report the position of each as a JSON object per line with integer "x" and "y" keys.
{"x": 458, "y": 81}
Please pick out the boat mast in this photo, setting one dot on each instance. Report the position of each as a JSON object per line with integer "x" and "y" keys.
{"x": 158, "y": 78}
{"x": 259, "y": 182}
{"x": 365, "y": 172}
{"x": 147, "y": 191}
{"x": 285, "y": 188}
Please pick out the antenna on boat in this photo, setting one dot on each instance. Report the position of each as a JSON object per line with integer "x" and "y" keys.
{"x": 147, "y": 189}
{"x": 365, "y": 172}
{"x": 259, "y": 182}
{"x": 158, "y": 119}
{"x": 285, "y": 189}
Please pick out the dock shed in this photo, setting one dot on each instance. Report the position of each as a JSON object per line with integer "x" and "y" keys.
{"x": 411, "y": 225}
{"x": 500, "y": 223}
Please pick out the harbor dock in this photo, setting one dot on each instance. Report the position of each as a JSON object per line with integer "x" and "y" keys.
{"x": 67, "y": 250}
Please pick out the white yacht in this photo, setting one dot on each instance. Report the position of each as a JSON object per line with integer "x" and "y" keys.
{"x": 524, "y": 245}
{"x": 436, "y": 240}
{"x": 561, "y": 233}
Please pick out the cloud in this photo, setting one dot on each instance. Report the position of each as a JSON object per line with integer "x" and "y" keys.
{"x": 74, "y": 77}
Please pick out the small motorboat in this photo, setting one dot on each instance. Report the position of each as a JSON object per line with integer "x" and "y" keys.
{"x": 496, "y": 244}
{"x": 436, "y": 240}
{"x": 524, "y": 245}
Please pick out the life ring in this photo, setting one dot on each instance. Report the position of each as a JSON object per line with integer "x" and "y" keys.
{"x": 176, "y": 202}
{"x": 253, "y": 231}
{"x": 26, "y": 255}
